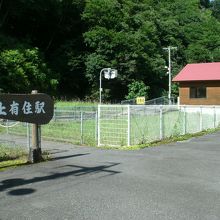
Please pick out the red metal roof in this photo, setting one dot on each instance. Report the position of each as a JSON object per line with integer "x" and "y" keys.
{"x": 199, "y": 72}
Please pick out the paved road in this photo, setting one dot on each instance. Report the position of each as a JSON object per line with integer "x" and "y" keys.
{"x": 176, "y": 181}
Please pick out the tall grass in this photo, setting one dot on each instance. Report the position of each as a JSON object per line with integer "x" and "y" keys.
{"x": 11, "y": 153}
{"x": 74, "y": 103}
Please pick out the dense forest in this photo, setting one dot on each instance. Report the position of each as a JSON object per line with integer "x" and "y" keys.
{"x": 60, "y": 46}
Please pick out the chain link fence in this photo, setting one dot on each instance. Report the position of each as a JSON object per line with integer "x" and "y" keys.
{"x": 74, "y": 125}
{"x": 78, "y": 127}
{"x": 121, "y": 125}
{"x": 133, "y": 124}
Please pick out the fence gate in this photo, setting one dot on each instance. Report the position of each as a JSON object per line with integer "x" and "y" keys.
{"x": 113, "y": 125}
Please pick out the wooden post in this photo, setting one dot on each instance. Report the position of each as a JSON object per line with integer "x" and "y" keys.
{"x": 35, "y": 154}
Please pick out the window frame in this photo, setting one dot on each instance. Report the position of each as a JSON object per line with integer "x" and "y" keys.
{"x": 197, "y": 92}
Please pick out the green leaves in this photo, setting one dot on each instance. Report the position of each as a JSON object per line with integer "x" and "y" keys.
{"x": 43, "y": 41}
{"x": 122, "y": 38}
{"x": 23, "y": 70}
{"x": 103, "y": 13}
{"x": 137, "y": 89}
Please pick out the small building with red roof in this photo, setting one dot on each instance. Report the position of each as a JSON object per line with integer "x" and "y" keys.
{"x": 199, "y": 84}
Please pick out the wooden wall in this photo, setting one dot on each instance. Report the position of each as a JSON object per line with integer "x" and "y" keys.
{"x": 212, "y": 93}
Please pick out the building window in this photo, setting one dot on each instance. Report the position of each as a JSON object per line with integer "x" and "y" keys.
{"x": 197, "y": 92}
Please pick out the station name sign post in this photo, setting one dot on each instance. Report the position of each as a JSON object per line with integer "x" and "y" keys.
{"x": 35, "y": 108}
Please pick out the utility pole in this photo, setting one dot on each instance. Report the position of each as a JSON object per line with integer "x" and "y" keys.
{"x": 169, "y": 48}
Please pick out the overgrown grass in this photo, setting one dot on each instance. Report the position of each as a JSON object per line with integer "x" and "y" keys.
{"x": 11, "y": 153}
{"x": 74, "y": 103}
{"x": 64, "y": 131}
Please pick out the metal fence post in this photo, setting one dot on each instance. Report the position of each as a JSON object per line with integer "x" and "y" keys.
{"x": 129, "y": 126}
{"x": 200, "y": 127}
{"x": 161, "y": 122}
{"x": 98, "y": 129}
{"x": 184, "y": 120}
{"x": 81, "y": 127}
{"x": 214, "y": 117}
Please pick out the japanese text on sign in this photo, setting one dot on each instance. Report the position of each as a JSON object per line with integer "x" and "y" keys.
{"x": 32, "y": 108}
{"x": 26, "y": 108}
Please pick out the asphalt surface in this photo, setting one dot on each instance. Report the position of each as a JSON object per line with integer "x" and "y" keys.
{"x": 175, "y": 181}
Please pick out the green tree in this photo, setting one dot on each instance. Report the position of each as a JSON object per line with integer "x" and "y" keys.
{"x": 137, "y": 89}
{"x": 23, "y": 70}
{"x": 191, "y": 28}
{"x": 55, "y": 28}
{"x": 205, "y": 3}
{"x": 72, "y": 40}
{"x": 215, "y": 7}
{"x": 124, "y": 37}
